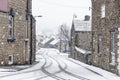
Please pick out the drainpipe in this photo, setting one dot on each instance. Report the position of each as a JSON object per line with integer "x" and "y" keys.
{"x": 31, "y": 41}
{"x": 26, "y": 38}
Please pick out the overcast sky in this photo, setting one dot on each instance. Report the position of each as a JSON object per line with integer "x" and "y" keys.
{"x": 57, "y": 12}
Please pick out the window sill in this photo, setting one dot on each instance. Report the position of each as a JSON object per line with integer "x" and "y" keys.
{"x": 102, "y": 17}
{"x": 99, "y": 54}
{"x": 26, "y": 39}
{"x": 11, "y": 40}
{"x": 112, "y": 65}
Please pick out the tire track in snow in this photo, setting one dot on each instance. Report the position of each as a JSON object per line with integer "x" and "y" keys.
{"x": 85, "y": 68}
{"x": 18, "y": 73}
{"x": 67, "y": 72}
{"x": 50, "y": 74}
{"x": 43, "y": 69}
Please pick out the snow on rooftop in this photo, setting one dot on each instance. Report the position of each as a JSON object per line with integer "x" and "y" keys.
{"x": 81, "y": 25}
{"x": 82, "y": 50}
{"x": 46, "y": 40}
{"x": 55, "y": 41}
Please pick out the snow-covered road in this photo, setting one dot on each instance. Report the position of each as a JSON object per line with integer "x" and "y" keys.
{"x": 57, "y": 66}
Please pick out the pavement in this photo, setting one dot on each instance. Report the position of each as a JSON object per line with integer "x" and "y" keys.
{"x": 15, "y": 68}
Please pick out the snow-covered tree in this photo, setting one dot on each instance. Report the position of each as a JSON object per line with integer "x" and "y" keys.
{"x": 63, "y": 35}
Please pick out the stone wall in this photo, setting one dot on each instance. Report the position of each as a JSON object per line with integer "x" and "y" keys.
{"x": 19, "y": 49}
{"x": 103, "y": 26}
{"x": 72, "y": 43}
{"x": 83, "y": 40}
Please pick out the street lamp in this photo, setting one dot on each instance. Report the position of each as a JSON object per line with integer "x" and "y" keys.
{"x": 32, "y": 28}
{"x": 39, "y": 16}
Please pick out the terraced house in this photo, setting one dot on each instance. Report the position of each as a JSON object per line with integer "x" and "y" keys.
{"x": 106, "y": 34}
{"x": 17, "y": 32}
{"x": 81, "y": 39}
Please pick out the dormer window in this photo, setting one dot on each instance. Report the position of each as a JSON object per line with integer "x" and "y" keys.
{"x": 103, "y": 11}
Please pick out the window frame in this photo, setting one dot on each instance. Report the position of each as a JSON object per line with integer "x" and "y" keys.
{"x": 103, "y": 10}
{"x": 11, "y": 22}
{"x": 112, "y": 47}
{"x": 99, "y": 44}
{"x": 10, "y": 59}
{"x": 11, "y": 26}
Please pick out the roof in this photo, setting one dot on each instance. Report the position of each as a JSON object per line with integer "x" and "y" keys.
{"x": 47, "y": 40}
{"x": 81, "y": 25}
{"x": 55, "y": 41}
{"x": 82, "y": 50}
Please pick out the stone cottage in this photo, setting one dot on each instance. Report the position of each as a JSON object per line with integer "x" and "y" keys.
{"x": 106, "y": 34}
{"x": 81, "y": 39}
{"x": 17, "y": 32}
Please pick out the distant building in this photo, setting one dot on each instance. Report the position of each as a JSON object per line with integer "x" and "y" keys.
{"x": 55, "y": 44}
{"x": 106, "y": 34}
{"x": 80, "y": 38}
{"x": 39, "y": 39}
{"x": 17, "y": 32}
{"x": 46, "y": 42}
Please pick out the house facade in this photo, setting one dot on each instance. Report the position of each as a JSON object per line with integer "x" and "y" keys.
{"x": 17, "y": 32}
{"x": 106, "y": 34}
{"x": 80, "y": 39}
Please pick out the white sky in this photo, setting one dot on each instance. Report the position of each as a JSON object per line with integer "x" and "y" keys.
{"x": 57, "y": 12}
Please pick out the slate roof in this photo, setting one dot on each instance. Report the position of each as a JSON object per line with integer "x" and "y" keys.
{"x": 55, "y": 41}
{"x": 47, "y": 40}
{"x": 81, "y": 25}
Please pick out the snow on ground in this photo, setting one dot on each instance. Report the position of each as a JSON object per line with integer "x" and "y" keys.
{"x": 104, "y": 73}
{"x": 13, "y": 68}
{"x": 52, "y": 65}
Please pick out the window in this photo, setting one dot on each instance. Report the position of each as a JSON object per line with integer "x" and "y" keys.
{"x": 112, "y": 41}
{"x": 4, "y": 5}
{"x": 112, "y": 46}
{"x": 10, "y": 33}
{"x": 10, "y": 59}
{"x": 103, "y": 11}
{"x": 11, "y": 26}
{"x": 99, "y": 44}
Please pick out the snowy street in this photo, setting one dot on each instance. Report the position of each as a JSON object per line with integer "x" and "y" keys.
{"x": 53, "y": 65}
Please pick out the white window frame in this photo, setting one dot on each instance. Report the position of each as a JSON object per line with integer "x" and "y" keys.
{"x": 99, "y": 44}
{"x": 10, "y": 59}
{"x": 112, "y": 48}
{"x": 11, "y": 26}
{"x": 103, "y": 10}
{"x": 10, "y": 33}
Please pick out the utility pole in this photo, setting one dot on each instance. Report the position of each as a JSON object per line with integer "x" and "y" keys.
{"x": 60, "y": 38}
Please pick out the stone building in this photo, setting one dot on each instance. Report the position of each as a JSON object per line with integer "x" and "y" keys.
{"x": 17, "y": 32}
{"x": 81, "y": 39}
{"x": 106, "y": 34}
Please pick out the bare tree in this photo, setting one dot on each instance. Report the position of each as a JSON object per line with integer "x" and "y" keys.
{"x": 63, "y": 35}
